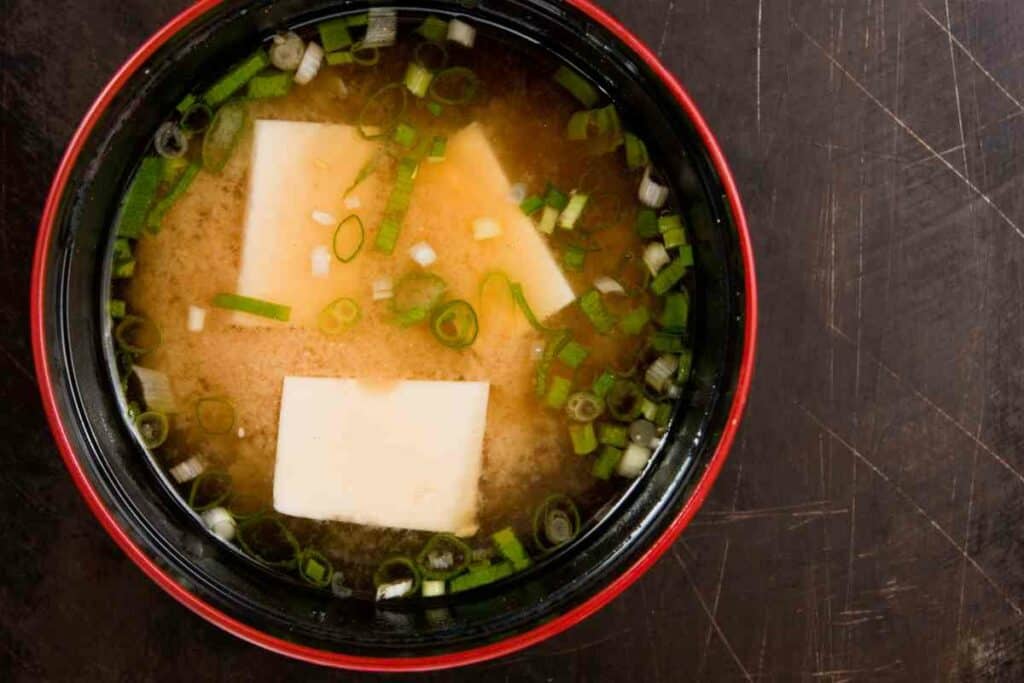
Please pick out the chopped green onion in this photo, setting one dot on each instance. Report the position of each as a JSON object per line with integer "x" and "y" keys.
{"x": 116, "y": 308}
{"x": 574, "y": 257}
{"x": 196, "y": 118}
{"x": 365, "y": 171}
{"x": 510, "y": 548}
{"x": 432, "y": 588}
{"x": 672, "y": 231}
{"x": 225, "y": 131}
{"x": 422, "y": 56}
{"x": 548, "y": 220}
{"x": 584, "y": 406}
{"x": 395, "y": 569}
{"x": 405, "y": 135}
{"x": 276, "y": 84}
{"x": 571, "y": 213}
{"x": 139, "y": 197}
{"x": 435, "y": 109}
{"x": 390, "y": 103}
{"x": 433, "y": 28}
{"x": 593, "y": 307}
{"x": 443, "y": 556}
{"x": 685, "y": 366}
{"x": 667, "y": 342}
{"x": 365, "y": 55}
{"x": 209, "y": 490}
{"x": 573, "y": 354}
{"x": 416, "y": 296}
{"x": 584, "y": 440}
{"x": 157, "y": 392}
{"x": 558, "y": 393}
{"x": 606, "y": 461}
{"x": 578, "y": 126}
{"x": 579, "y": 87}
{"x": 686, "y": 255}
{"x": 358, "y": 19}
{"x": 186, "y": 103}
{"x": 437, "y": 148}
{"x": 556, "y": 340}
{"x": 648, "y": 409}
{"x": 417, "y": 79}
{"x": 174, "y": 167}
{"x": 660, "y": 372}
{"x": 676, "y": 311}
{"x": 338, "y": 316}
{"x": 555, "y": 522}
{"x": 596, "y": 123}
{"x": 454, "y": 85}
{"x": 215, "y": 415}
{"x": 646, "y": 223}
{"x": 635, "y": 321}
{"x": 531, "y": 205}
{"x": 624, "y": 400}
{"x": 348, "y": 238}
{"x": 396, "y": 207}
{"x": 152, "y": 427}
{"x": 314, "y": 568}
{"x": 481, "y": 576}
{"x": 636, "y": 152}
{"x": 339, "y": 58}
{"x": 669, "y": 276}
{"x": 245, "y": 304}
{"x": 137, "y": 335}
{"x": 234, "y": 80}
{"x": 555, "y": 198}
{"x": 124, "y": 269}
{"x": 520, "y": 298}
{"x": 334, "y": 34}
{"x": 454, "y": 324}
{"x": 612, "y": 435}
{"x": 267, "y": 539}
{"x": 160, "y": 209}
{"x": 604, "y": 383}
{"x": 663, "y": 414}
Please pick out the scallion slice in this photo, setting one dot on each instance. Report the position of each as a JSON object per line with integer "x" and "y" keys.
{"x": 667, "y": 342}
{"x": 531, "y": 205}
{"x": 117, "y": 308}
{"x": 433, "y": 28}
{"x": 624, "y": 400}
{"x": 647, "y": 223}
{"x": 652, "y": 191}
{"x": 555, "y": 198}
{"x": 209, "y": 490}
{"x": 139, "y": 197}
{"x": 669, "y": 276}
{"x": 382, "y": 111}
{"x": 603, "y": 383}
{"x": 396, "y": 207}
{"x": 394, "y": 571}
{"x": 578, "y": 86}
{"x": 634, "y": 322}
{"x": 196, "y": 118}
{"x": 661, "y": 371}
{"x": 417, "y": 78}
{"x": 169, "y": 141}
{"x": 508, "y": 545}
{"x": 286, "y": 51}
{"x": 572, "y": 211}
{"x": 365, "y": 55}
{"x": 334, "y": 34}
{"x": 437, "y": 149}
{"x": 520, "y": 298}
{"x": 365, "y": 171}
{"x": 454, "y": 324}
{"x": 416, "y": 296}
{"x": 381, "y": 28}
{"x": 672, "y": 231}
{"x": 152, "y": 427}
{"x": 636, "y": 152}
{"x": 314, "y": 568}
{"x": 160, "y": 209}
{"x": 548, "y": 220}
{"x": 215, "y": 415}
{"x": 443, "y": 556}
{"x": 583, "y": 438}
{"x": 348, "y": 238}
{"x": 676, "y": 311}
{"x": 358, "y": 19}
{"x": 339, "y": 58}
{"x": 405, "y": 135}
{"x": 462, "y": 33}
{"x": 593, "y": 307}
{"x": 137, "y": 335}
{"x": 574, "y": 257}
{"x": 435, "y": 109}
{"x": 338, "y": 316}
{"x": 454, "y": 85}
{"x": 266, "y": 538}
{"x": 481, "y": 576}
{"x": 606, "y": 462}
{"x": 252, "y": 306}
{"x": 584, "y": 406}
{"x": 276, "y": 84}
{"x": 573, "y": 354}
{"x": 558, "y": 392}
{"x": 235, "y": 79}
{"x": 431, "y": 56}
{"x": 222, "y": 137}
{"x": 613, "y": 435}
{"x": 556, "y": 521}
{"x": 685, "y": 366}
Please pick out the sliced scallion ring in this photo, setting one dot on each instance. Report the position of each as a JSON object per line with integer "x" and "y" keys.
{"x": 209, "y": 490}
{"x": 454, "y": 324}
{"x": 396, "y": 569}
{"x": 314, "y": 568}
{"x": 196, "y": 118}
{"x": 215, "y": 415}
{"x": 555, "y": 522}
{"x": 625, "y": 400}
{"x": 245, "y": 506}
{"x": 455, "y": 85}
{"x": 338, "y": 316}
{"x": 268, "y": 540}
{"x": 583, "y": 406}
{"x": 137, "y": 335}
{"x": 348, "y": 238}
{"x": 363, "y": 55}
{"x": 431, "y": 55}
{"x": 382, "y": 111}
{"x": 222, "y": 137}
{"x": 416, "y": 296}
{"x": 152, "y": 427}
{"x": 443, "y": 556}
{"x": 170, "y": 141}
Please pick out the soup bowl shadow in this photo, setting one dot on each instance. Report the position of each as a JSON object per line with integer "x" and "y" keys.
{"x": 167, "y": 541}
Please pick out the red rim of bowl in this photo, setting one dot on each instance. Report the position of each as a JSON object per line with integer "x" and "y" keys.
{"x": 323, "y": 657}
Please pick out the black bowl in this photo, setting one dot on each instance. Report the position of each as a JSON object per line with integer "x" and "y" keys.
{"x": 70, "y": 336}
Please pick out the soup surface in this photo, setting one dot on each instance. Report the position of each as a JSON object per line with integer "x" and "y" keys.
{"x": 441, "y": 208}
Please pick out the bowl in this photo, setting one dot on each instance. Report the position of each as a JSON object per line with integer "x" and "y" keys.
{"x": 167, "y": 541}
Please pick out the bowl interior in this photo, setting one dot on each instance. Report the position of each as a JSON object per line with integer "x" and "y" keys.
{"x": 76, "y": 335}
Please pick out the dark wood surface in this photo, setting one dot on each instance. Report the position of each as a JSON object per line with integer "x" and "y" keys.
{"x": 867, "y": 525}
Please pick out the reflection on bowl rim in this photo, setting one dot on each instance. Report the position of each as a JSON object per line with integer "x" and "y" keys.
{"x": 459, "y": 658}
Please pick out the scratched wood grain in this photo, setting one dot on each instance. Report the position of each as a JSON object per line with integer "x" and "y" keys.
{"x": 867, "y": 526}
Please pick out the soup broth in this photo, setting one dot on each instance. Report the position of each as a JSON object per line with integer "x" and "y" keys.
{"x": 578, "y": 399}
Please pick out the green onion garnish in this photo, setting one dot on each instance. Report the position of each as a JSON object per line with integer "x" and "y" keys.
{"x": 246, "y": 304}
{"x": 592, "y": 306}
{"x": 558, "y": 392}
{"x": 137, "y": 335}
{"x": 510, "y": 548}
{"x": 573, "y": 354}
{"x": 481, "y": 576}
{"x": 365, "y": 171}
{"x": 676, "y": 311}
{"x": 265, "y": 538}
{"x": 334, "y": 34}
{"x": 382, "y": 111}
{"x": 555, "y": 198}
{"x": 224, "y": 133}
{"x": 348, "y": 238}
{"x": 358, "y": 19}
{"x": 578, "y": 126}
{"x": 613, "y": 435}
{"x": 672, "y": 231}
{"x": 437, "y": 148}
{"x": 339, "y": 58}
{"x": 667, "y": 342}
{"x": 276, "y": 84}
{"x": 433, "y": 28}
{"x": 338, "y": 316}
{"x": 443, "y": 556}
{"x": 624, "y": 400}
{"x": 417, "y": 79}
{"x": 215, "y": 415}
{"x": 648, "y": 409}
{"x": 636, "y": 152}
{"x": 607, "y": 460}
{"x": 405, "y": 135}
{"x": 663, "y": 415}
{"x": 555, "y": 522}
{"x": 138, "y": 198}
{"x": 396, "y": 569}
{"x": 646, "y": 223}
{"x": 454, "y": 85}
{"x": 556, "y": 340}
{"x": 685, "y": 366}
{"x": 152, "y": 427}
{"x": 117, "y": 308}
{"x": 431, "y": 56}
{"x": 435, "y": 109}
{"x": 123, "y": 269}
{"x": 314, "y": 568}
{"x": 573, "y": 209}
{"x": 196, "y": 118}
{"x": 635, "y": 321}
{"x": 574, "y": 257}
{"x": 584, "y": 440}
{"x": 186, "y": 103}
{"x": 548, "y": 220}
{"x": 584, "y": 406}
{"x": 365, "y": 56}
{"x": 396, "y": 207}
{"x": 603, "y": 383}
{"x": 520, "y": 298}
{"x": 173, "y": 168}
{"x": 454, "y": 324}
{"x": 578, "y": 86}
{"x": 686, "y": 255}
{"x": 416, "y": 296}
{"x": 209, "y": 490}
{"x": 235, "y": 79}
{"x": 160, "y": 209}
{"x": 669, "y": 276}
{"x": 531, "y": 205}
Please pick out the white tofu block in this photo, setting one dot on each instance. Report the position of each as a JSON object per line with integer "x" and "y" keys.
{"x": 403, "y": 454}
